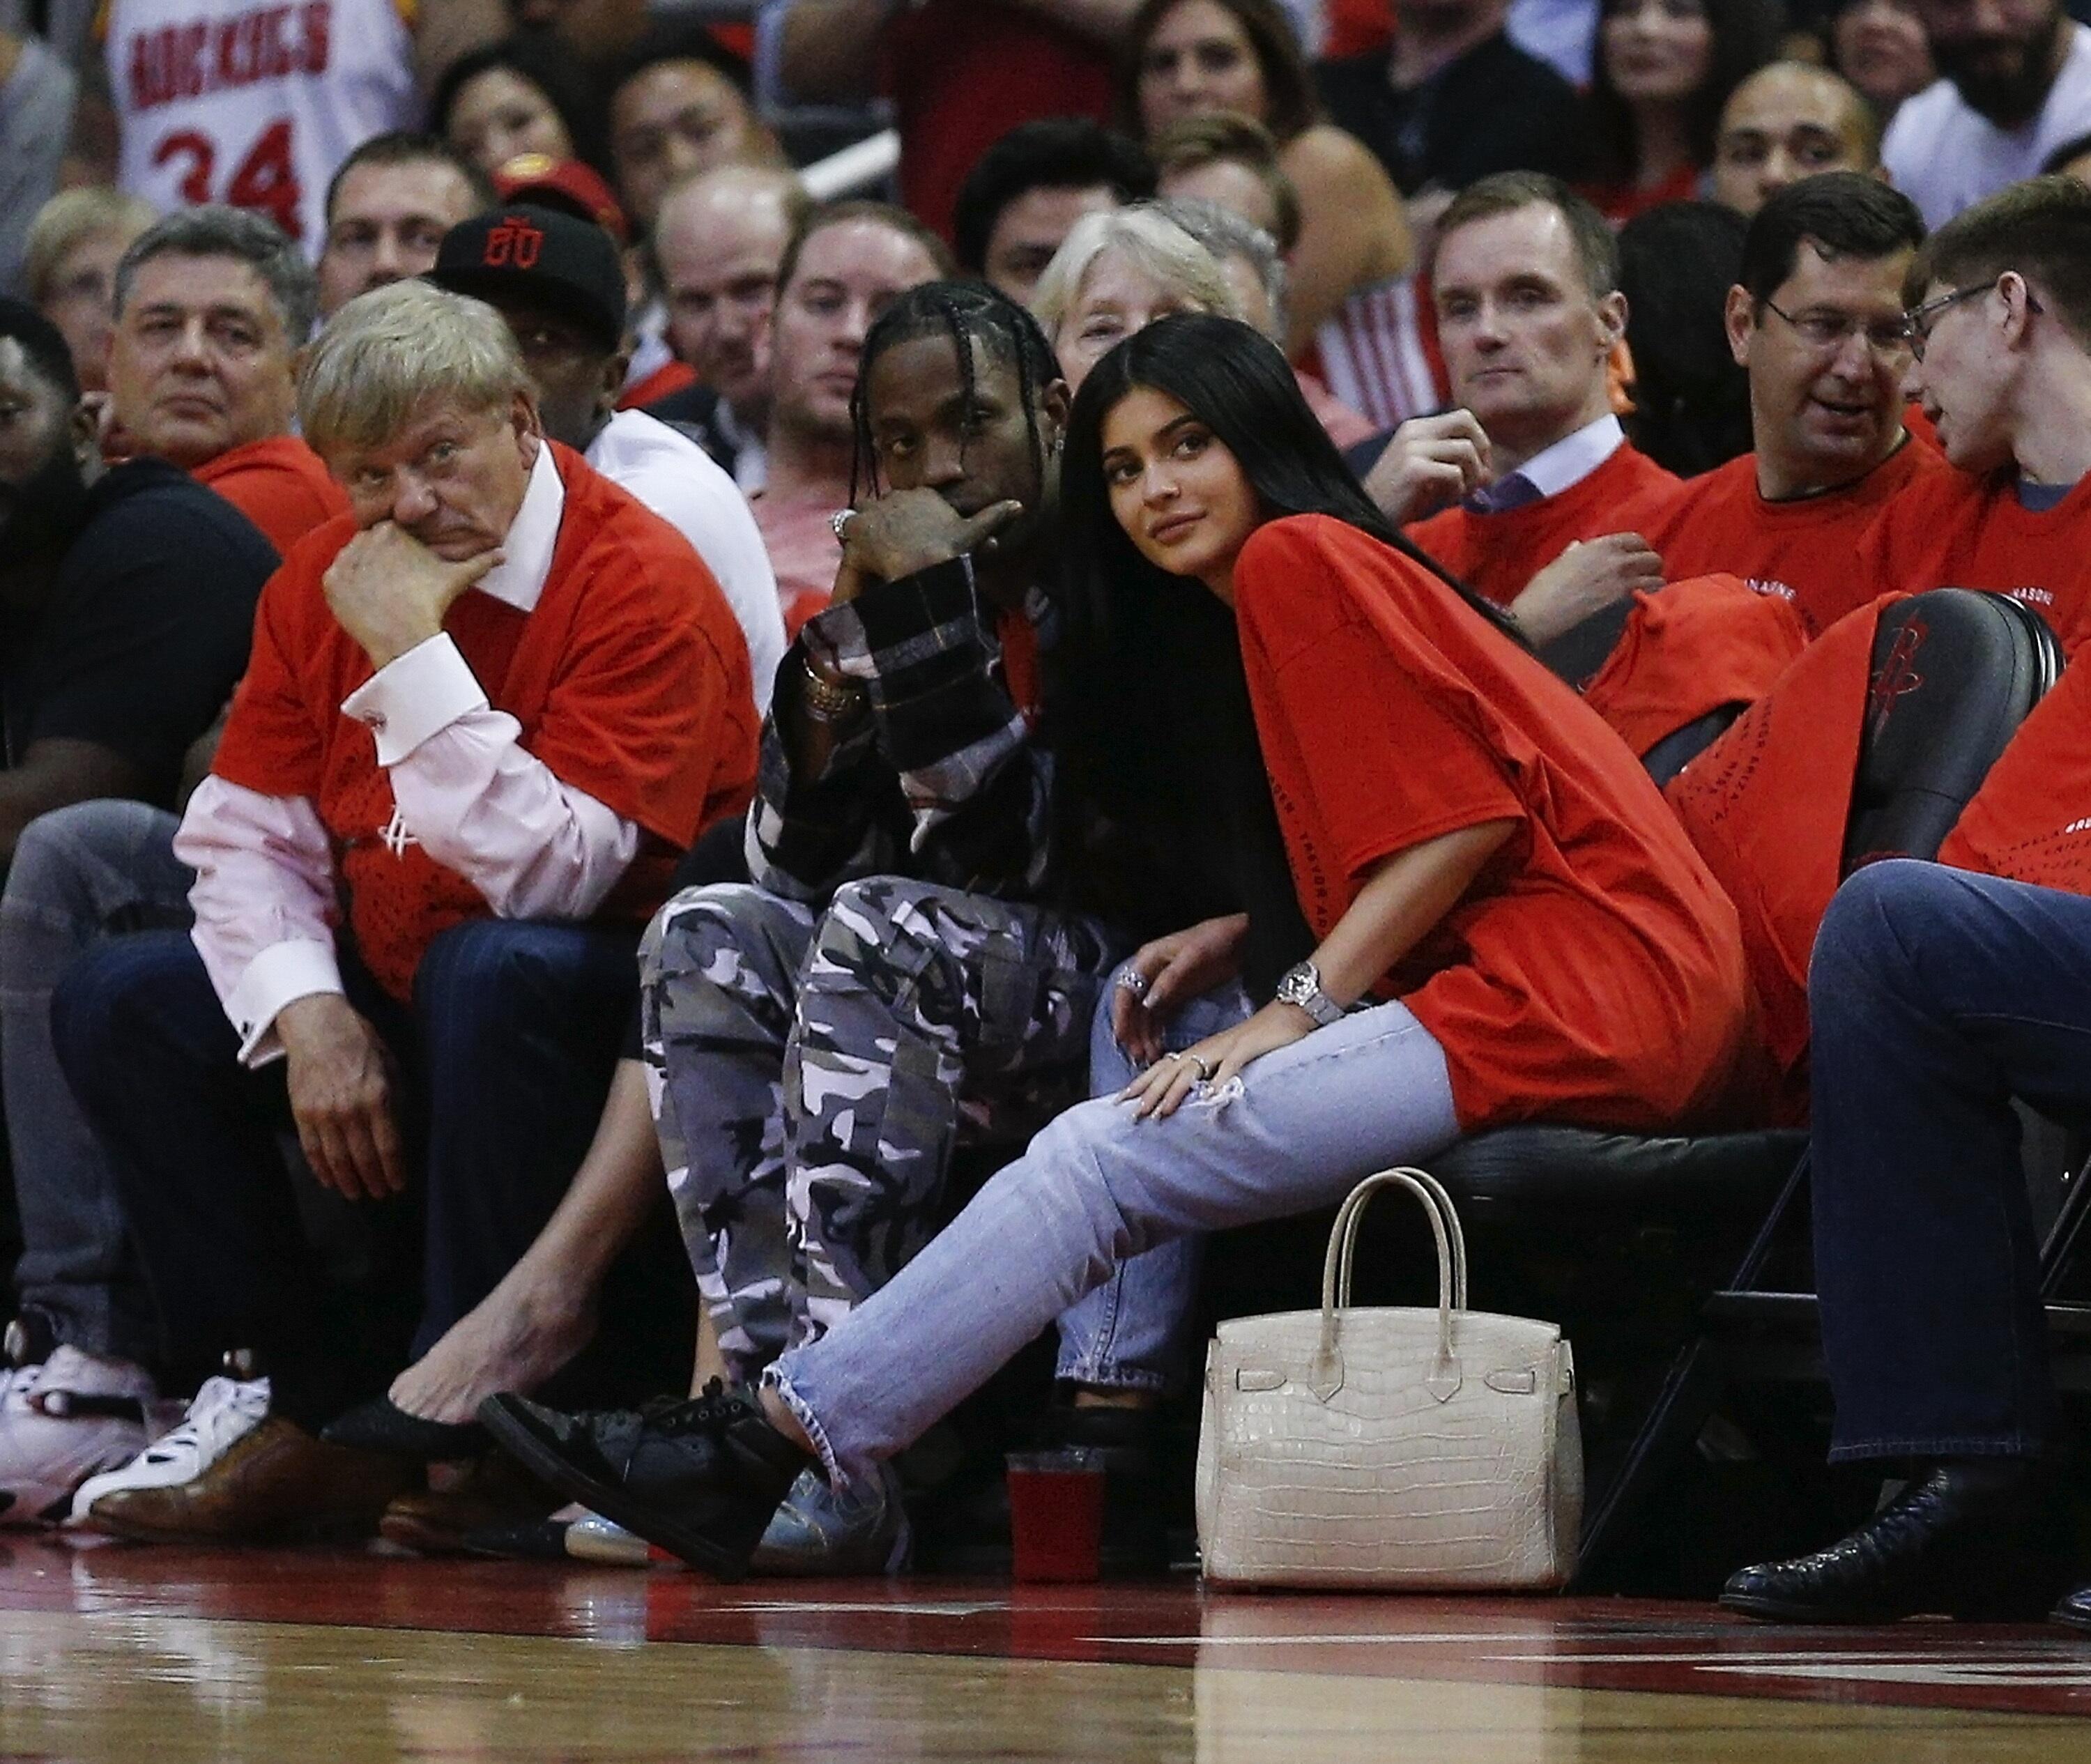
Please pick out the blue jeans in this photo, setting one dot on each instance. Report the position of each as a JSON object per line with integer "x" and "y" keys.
{"x": 1297, "y": 1130}
{"x": 504, "y": 1057}
{"x": 1128, "y": 1334}
{"x": 81, "y": 875}
{"x": 1938, "y": 996}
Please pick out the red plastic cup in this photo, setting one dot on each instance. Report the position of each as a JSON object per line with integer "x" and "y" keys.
{"x": 1056, "y": 1513}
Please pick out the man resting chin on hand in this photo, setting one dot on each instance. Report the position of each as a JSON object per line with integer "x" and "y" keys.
{"x": 485, "y": 714}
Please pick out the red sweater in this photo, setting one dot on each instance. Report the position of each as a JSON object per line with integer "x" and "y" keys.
{"x": 629, "y": 678}
{"x": 1498, "y": 554}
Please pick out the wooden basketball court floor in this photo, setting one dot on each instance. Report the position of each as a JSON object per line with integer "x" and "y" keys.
{"x": 159, "y": 1656}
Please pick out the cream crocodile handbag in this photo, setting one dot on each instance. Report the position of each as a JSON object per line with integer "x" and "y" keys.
{"x": 1390, "y": 1449}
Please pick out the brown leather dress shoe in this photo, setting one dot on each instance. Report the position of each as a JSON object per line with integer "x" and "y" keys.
{"x": 276, "y": 1482}
{"x": 494, "y": 1491}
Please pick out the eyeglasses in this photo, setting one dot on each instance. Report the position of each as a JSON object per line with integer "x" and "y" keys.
{"x": 1825, "y": 329}
{"x": 1921, "y": 319}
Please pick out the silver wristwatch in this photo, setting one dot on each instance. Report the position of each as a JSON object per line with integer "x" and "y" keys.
{"x": 1302, "y": 986}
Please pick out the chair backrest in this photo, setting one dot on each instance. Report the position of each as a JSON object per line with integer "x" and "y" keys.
{"x": 1955, "y": 673}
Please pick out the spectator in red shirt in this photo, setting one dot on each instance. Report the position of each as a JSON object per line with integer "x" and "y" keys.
{"x": 1664, "y": 70}
{"x": 212, "y": 306}
{"x": 1817, "y": 321}
{"x": 1550, "y": 493}
{"x": 484, "y": 714}
{"x": 1997, "y": 326}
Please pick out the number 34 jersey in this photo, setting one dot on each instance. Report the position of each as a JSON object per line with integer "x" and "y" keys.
{"x": 231, "y": 100}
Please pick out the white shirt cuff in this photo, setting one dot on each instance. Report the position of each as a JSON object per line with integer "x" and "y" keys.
{"x": 415, "y": 696}
{"x": 282, "y": 974}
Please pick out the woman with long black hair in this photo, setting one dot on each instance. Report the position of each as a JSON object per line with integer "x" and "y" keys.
{"x": 1507, "y": 921}
{"x": 1664, "y": 69}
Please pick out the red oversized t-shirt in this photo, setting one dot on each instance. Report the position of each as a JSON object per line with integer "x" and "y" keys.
{"x": 629, "y": 678}
{"x": 280, "y": 485}
{"x": 1594, "y": 974}
{"x": 1951, "y": 529}
{"x": 1498, "y": 554}
{"x": 1801, "y": 549}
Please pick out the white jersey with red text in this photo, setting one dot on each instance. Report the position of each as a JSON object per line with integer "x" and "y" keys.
{"x": 233, "y": 101}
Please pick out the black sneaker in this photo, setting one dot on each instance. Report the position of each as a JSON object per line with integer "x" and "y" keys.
{"x": 700, "y": 1476}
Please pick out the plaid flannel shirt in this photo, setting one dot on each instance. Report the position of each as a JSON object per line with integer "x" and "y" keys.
{"x": 943, "y": 780}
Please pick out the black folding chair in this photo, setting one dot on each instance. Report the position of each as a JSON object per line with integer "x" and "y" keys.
{"x": 1954, "y": 674}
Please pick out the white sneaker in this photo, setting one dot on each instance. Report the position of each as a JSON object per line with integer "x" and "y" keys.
{"x": 224, "y": 1412}
{"x": 63, "y": 1422}
{"x": 593, "y": 1538}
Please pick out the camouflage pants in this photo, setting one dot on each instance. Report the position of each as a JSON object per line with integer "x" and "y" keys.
{"x": 812, "y": 1071}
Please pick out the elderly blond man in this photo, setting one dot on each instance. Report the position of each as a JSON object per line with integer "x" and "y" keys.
{"x": 484, "y": 715}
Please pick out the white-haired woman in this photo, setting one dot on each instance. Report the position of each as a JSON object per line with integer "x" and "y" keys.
{"x": 1119, "y": 271}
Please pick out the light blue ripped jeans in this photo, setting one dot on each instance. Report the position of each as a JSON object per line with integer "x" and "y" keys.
{"x": 1129, "y": 1334}
{"x": 1297, "y": 1130}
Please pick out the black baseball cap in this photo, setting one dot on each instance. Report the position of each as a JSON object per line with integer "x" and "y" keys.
{"x": 525, "y": 252}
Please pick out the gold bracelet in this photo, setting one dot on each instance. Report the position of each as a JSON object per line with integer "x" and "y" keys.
{"x": 830, "y": 700}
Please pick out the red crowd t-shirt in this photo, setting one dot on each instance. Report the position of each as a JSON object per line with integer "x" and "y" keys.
{"x": 1951, "y": 529}
{"x": 2030, "y": 820}
{"x": 1357, "y": 26}
{"x": 1498, "y": 554}
{"x": 963, "y": 73}
{"x": 280, "y": 485}
{"x": 1766, "y": 807}
{"x": 1802, "y": 549}
{"x": 1688, "y": 649}
{"x": 629, "y": 678}
{"x": 1594, "y": 973}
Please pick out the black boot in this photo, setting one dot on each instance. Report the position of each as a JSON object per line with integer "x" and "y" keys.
{"x": 700, "y": 1476}
{"x": 1978, "y": 1538}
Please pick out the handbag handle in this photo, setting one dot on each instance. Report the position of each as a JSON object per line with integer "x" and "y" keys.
{"x": 1350, "y": 1217}
{"x": 1326, "y": 1375}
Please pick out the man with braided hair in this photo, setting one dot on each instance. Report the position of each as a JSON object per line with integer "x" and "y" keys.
{"x": 905, "y": 969}
{"x": 908, "y": 967}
